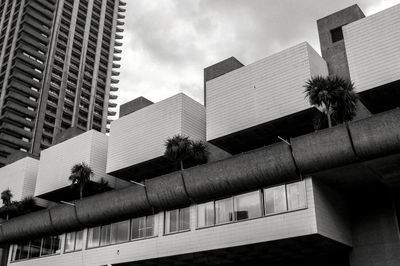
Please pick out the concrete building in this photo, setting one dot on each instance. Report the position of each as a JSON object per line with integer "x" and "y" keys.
{"x": 56, "y": 162}
{"x": 20, "y": 177}
{"x": 326, "y": 197}
{"x": 136, "y": 146}
{"x": 58, "y": 67}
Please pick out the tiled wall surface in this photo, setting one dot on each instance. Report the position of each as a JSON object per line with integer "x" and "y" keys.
{"x": 56, "y": 162}
{"x": 20, "y": 178}
{"x": 140, "y": 136}
{"x": 262, "y": 91}
{"x": 372, "y": 47}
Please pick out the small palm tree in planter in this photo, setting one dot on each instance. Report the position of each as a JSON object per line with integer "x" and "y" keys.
{"x": 6, "y": 196}
{"x": 199, "y": 152}
{"x": 80, "y": 175}
{"x": 15, "y": 208}
{"x": 180, "y": 149}
{"x": 334, "y": 96}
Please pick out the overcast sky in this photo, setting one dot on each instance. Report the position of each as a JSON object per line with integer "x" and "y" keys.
{"x": 168, "y": 43}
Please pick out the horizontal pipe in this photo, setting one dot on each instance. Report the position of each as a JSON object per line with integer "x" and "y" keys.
{"x": 368, "y": 144}
{"x": 323, "y": 149}
{"x": 372, "y": 137}
{"x": 167, "y": 191}
{"x": 251, "y": 170}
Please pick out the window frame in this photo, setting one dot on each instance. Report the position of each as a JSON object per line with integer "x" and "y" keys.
{"x": 178, "y": 221}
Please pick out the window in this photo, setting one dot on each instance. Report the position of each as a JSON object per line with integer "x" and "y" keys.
{"x": 93, "y": 237}
{"x": 50, "y": 245}
{"x": 143, "y": 227}
{"x": 275, "y": 200}
{"x": 224, "y": 211}
{"x": 247, "y": 205}
{"x": 205, "y": 214}
{"x": 108, "y": 234}
{"x": 337, "y": 34}
{"x": 120, "y": 232}
{"x": 34, "y": 250}
{"x": 105, "y": 235}
{"x": 296, "y": 196}
{"x": 73, "y": 241}
{"x": 177, "y": 220}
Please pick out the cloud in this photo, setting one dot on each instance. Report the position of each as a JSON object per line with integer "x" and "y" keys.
{"x": 168, "y": 43}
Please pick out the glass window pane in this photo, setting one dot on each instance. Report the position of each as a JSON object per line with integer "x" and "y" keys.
{"x": 79, "y": 240}
{"x": 142, "y": 227}
{"x": 224, "y": 210}
{"x": 34, "y": 250}
{"x": 184, "y": 219}
{"x": 120, "y": 232}
{"x": 93, "y": 237}
{"x": 171, "y": 221}
{"x": 15, "y": 253}
{"x": 70, "y": 241}
{"x": 205, "y": 214}
{"x": 247, "y": 205}
{"x": 46, "y": 246}
{"x": 105, "y": 234}
{"x": 55, "y": 244}
{"x": 135, "y": 228}
{"x": 296, "y": 195}
{"x": 150, "y": 226}
{"x": 24, "y": 251}
{"x": 50, "y": 245}
{"x": 275, "y": 200}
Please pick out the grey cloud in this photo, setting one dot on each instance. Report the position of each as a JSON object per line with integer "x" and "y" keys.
{"x": 181, "y": 37}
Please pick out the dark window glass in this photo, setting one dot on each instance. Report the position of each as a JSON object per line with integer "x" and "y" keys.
{"x": 337, "y": 34}
{"x": 34, "y": 250}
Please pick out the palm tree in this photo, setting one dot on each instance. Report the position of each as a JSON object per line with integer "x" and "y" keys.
{"x": 178, "y": 148}
{"x": 6, "y": 196}
{"x": 199, "y": 152}
{"x": 181, "y": 149}
{"x": 334, "y": 96}
{"x": 80, "y": 175}
{"x": 26, "y": 205}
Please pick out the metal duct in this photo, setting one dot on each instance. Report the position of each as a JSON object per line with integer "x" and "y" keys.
{"x": 323, "y": 149}
{"x": 251, "y": 170}
{"x": 368, "y": 144}
{"x": 113, "y": 206}
{"x": 167, "y": 191}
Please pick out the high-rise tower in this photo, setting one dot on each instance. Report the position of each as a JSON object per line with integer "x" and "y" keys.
{"x": 57, "y": 69}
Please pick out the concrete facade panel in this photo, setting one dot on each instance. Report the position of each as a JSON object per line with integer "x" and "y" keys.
{"x": 372, "y": 49}
{"x": 56, "y": 162}
{"x": 140, "y": 136}
{"x": 20, "y": 178}
{"x": 262, "y": 91}
{"x": 331, "y": 213}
